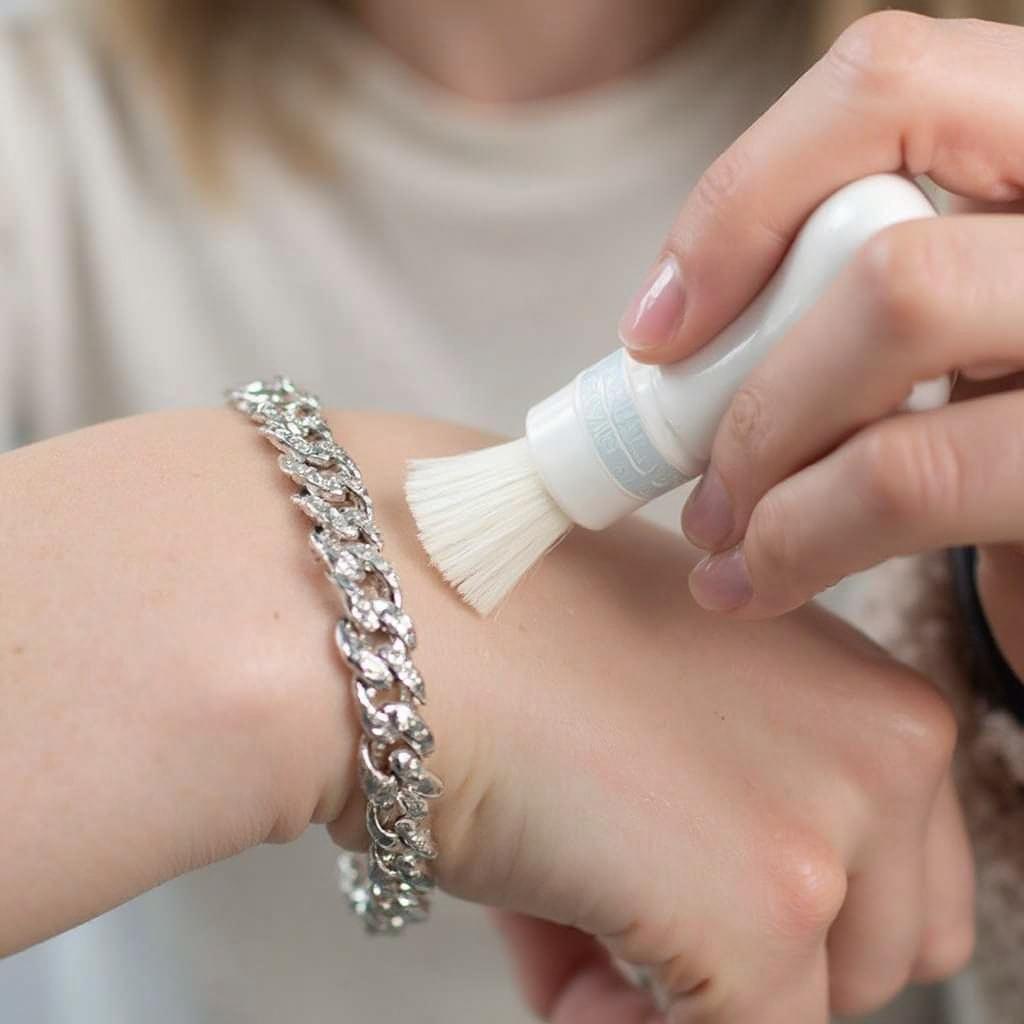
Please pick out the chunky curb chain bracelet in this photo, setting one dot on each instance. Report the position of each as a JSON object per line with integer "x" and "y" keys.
{"x": 388, "y": 888}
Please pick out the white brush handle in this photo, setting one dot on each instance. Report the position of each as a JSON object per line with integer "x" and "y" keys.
{"x": 623, "y": 433}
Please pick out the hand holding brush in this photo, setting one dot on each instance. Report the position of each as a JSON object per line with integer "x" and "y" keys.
{"x": 623, "y": 432}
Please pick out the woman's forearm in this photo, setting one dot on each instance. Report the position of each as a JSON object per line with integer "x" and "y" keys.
{"x": 169, "y": 687}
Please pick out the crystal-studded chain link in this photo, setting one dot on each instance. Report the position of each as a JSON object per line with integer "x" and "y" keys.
{"x": 388, "y": 888}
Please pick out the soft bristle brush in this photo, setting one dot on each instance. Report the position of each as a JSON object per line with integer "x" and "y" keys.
{"x": 623, "y": 433}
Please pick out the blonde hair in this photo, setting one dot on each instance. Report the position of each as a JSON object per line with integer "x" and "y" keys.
{"x": 214, "y": 61}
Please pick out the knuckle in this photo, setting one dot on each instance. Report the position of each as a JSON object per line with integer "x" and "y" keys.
{"x": 904, "y": 272}
{"x": 771, "y": 544}
{"x": 721, "y": 182}
{"x": 908, "y": 472}
{"x": 878, "y": 51}
{"x": 726, "y": 189}
{"x": 747, "y": 422}
{"x": 910, "y": 748}
{"x": 932, "y": 730}
{"x": 888, "y": 477}
{"x": 806, "y": 889}
{"x": 945, "y": 951}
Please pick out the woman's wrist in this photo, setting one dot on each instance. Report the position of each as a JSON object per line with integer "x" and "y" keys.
{"x": 451, "y": 648}
{"x": 299, "y": 682}
{"x": 167, "y": 661}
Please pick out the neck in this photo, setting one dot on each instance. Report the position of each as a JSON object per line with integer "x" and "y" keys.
{"x": 498, "y": 52}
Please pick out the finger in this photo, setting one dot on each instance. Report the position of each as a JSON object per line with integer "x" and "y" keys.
{"x": 990, "y": 371}
{"x": 964, "y": 204}
{"x": 567, "y": 977}
{"x": 908, "y": 906}
{"x": 873, "y": 945}
{"x": 971, "y": 387}
{"x": 801, "y": 998}
{"x": 896, "y": 92}
{"x": 919, "y": 300}
{"x": 947, "y": 938}
{"x": 906, "y": 484}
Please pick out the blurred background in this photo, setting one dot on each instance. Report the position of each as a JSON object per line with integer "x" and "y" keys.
{"x": 485, "y": 255}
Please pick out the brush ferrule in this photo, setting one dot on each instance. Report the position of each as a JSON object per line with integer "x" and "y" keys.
{"x": 594, "y": 451}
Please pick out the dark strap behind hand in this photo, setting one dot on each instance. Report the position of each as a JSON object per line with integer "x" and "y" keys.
{"x": 991, "y": 674}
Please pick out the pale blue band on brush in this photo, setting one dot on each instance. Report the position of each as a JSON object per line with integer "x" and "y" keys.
{"x": 610, "y": 416}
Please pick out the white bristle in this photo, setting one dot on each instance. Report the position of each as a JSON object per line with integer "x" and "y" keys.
{"x": 484, "y": 519}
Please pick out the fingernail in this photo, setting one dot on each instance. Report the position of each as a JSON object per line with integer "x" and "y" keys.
{"x": 656, "y": 311}
{"x": 721, "y": 583}
{"x": 707, "y": 516}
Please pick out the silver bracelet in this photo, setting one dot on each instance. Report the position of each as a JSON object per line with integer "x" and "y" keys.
{"x": 388, "y": 887}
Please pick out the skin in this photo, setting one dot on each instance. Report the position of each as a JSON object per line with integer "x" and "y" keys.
{"x": 761, "y": 811}
{"x": 499, "y": 53}
{"x": 897, "y": 92}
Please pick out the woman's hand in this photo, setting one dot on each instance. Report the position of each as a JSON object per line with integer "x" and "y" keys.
{"x": 805, "y": 485}
{"x": 760, "y": 812}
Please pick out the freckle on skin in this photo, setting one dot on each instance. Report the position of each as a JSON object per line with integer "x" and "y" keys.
{"x": 18, "y": 649}
{"x": 277, "y": 615}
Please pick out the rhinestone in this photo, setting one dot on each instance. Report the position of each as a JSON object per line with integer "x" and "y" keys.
{"x": 373, "y": 668}
{"x": 350, "y": 567}
{"x": 409, "y": 726}
{"x": 417, "y": 837}
{"x": 400, "y": 623}
{"x": 412, "y": 804}
{"x": 362, "y": 612}
{"x": 396, "y": 655}
{"x": 409, "y": 676}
